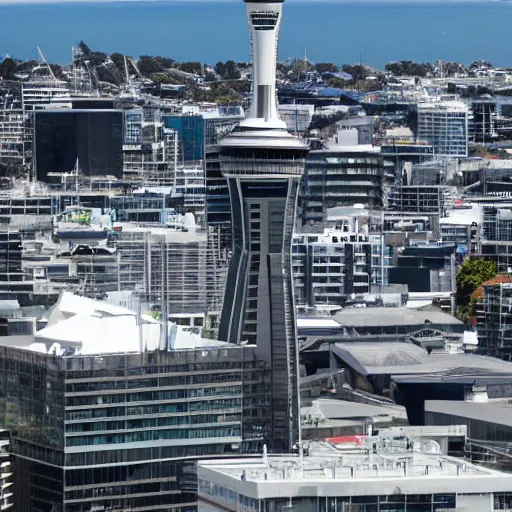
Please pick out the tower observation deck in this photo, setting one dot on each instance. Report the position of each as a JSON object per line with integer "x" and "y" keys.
{"x": 263, "y": 165}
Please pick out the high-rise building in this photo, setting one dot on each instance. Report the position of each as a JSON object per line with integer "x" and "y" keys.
{"x": 65, "y": 139}
{"x": 445, "y": 125}
{"x": 263, "y": 164}
{"x": 340, "y": 176}
{"x": 98, "y": 424}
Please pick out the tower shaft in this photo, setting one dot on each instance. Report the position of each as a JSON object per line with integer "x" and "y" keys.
{"x": 263, "y": 165}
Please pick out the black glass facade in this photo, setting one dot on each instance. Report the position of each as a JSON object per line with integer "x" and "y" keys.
{"x": 123, "y": 432}
{"x": 93, "y": 138}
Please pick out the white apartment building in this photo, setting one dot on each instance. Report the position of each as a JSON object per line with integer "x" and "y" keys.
{"x": 445, "y": 125}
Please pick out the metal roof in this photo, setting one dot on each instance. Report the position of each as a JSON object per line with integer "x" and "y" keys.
{"x": 406, "y": 358}
{"x": 376, "y": 317}
{"x": 498, "y": 412}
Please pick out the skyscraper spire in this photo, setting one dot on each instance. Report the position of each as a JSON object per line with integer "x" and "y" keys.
{"x": 264, "y": 23}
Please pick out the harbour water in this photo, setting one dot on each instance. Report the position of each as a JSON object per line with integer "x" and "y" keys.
{"x": 212, "y": 31}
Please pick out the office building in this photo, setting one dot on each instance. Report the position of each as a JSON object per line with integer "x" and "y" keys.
{"x": 87, "y": 141}
{"x": 361, "y": 125}
{"x": 12, "y": 130}
{"x": 445, "y": 126}
{"x": 330, "y": 267}
{"x": 263, "y": 164}
{"x": 110, "y": 412}
{"x": 191, "y": 136}
{"x": 486, "y": 421}
{"x": 495, "y": 334}
{"x": 297, "y": 117}
{"x": 183, "y": 269}
{"x": 6, "y": 474}
{"x": 340, "y": 176}
{"x": 401, "y": 152}
{"x": 150, "y": 151}
{"x": 361, "y": 473}
{"x": 496, "y": 237}
{"x": 422, "y": 199}
{"x": 218, "y": 123}
{"x": 426, "y": 268}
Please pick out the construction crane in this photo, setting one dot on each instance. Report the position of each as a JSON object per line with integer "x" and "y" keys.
{"x": 44, "y": 61}
{"x": 139, "y": 74}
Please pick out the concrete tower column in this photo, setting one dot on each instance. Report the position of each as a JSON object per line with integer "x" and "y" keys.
{"x": 263, "y": 165}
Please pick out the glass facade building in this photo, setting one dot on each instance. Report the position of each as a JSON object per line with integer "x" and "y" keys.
{"x": 340, "y": 177}
{"x": 445, "y": 126}
{"x": 91, "y": 139}
{"x": 123, "y": 431}
{"x": 191, "y": 133}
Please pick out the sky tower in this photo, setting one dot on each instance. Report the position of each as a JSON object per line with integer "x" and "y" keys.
{"x": 263, "y": 165}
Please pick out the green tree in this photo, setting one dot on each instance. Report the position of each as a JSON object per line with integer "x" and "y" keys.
{"x": 118, "y": 60}
{"x": 326, "y": 67}
{"x": 191, "y": 67}
{"x": 220, "y": 68}
{"x": 7, "y": 69}
{"x": 471, "y": 274}
{"x": 336, "y": 82}
{"x": 358, "y": 72}
{"x": 149, "y": 65}
{"x": 85, "y": 49}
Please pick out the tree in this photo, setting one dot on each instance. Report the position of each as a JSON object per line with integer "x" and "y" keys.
{"x": 409, "y": 68}
{"x": 326, "y": 67}
{"x": 191, "y": 67}
{"x": 232, "y": 72}
{"x": 228, "y": 70}
{"x": 471, "y": 274}
{"x": 7, "y": 69}
{"x": 336, "y": 82}
{"x": 84, "y": 48}
{"x": 357, "y": 72}
{"x": 220, "y": 68}
{"x": 118, "y": 60}
{"x": 149, "y": 65}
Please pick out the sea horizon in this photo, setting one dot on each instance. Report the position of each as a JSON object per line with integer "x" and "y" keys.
{"x": 212, "y": 30}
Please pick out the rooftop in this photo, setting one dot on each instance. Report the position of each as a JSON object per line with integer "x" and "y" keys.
{"x": 395, "y": 358}
{"x": 375, "y": 317}
{"x": 493, "y": 411}
{"x": 82, "y": 326}
{"x": 331, "y": 410}
{"x": 355, "y": 466}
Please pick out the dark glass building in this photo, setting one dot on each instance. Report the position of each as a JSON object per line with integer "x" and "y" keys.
{"x": 91, "y": 139}
{"x": 191, "y": 133}
{"x": 111, "y": 431}
{"x": 340, "y": 176}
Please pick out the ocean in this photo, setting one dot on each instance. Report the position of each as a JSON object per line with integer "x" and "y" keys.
{"x": 211, "y": 31}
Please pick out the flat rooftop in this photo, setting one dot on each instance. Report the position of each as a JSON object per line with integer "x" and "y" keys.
{"x": 355, "y": 466}
{"x": 494, "y": 411}
{"x": 396, "y": 358}
{"x": 388, "y": 317}
{"x": 333, "y": 412}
